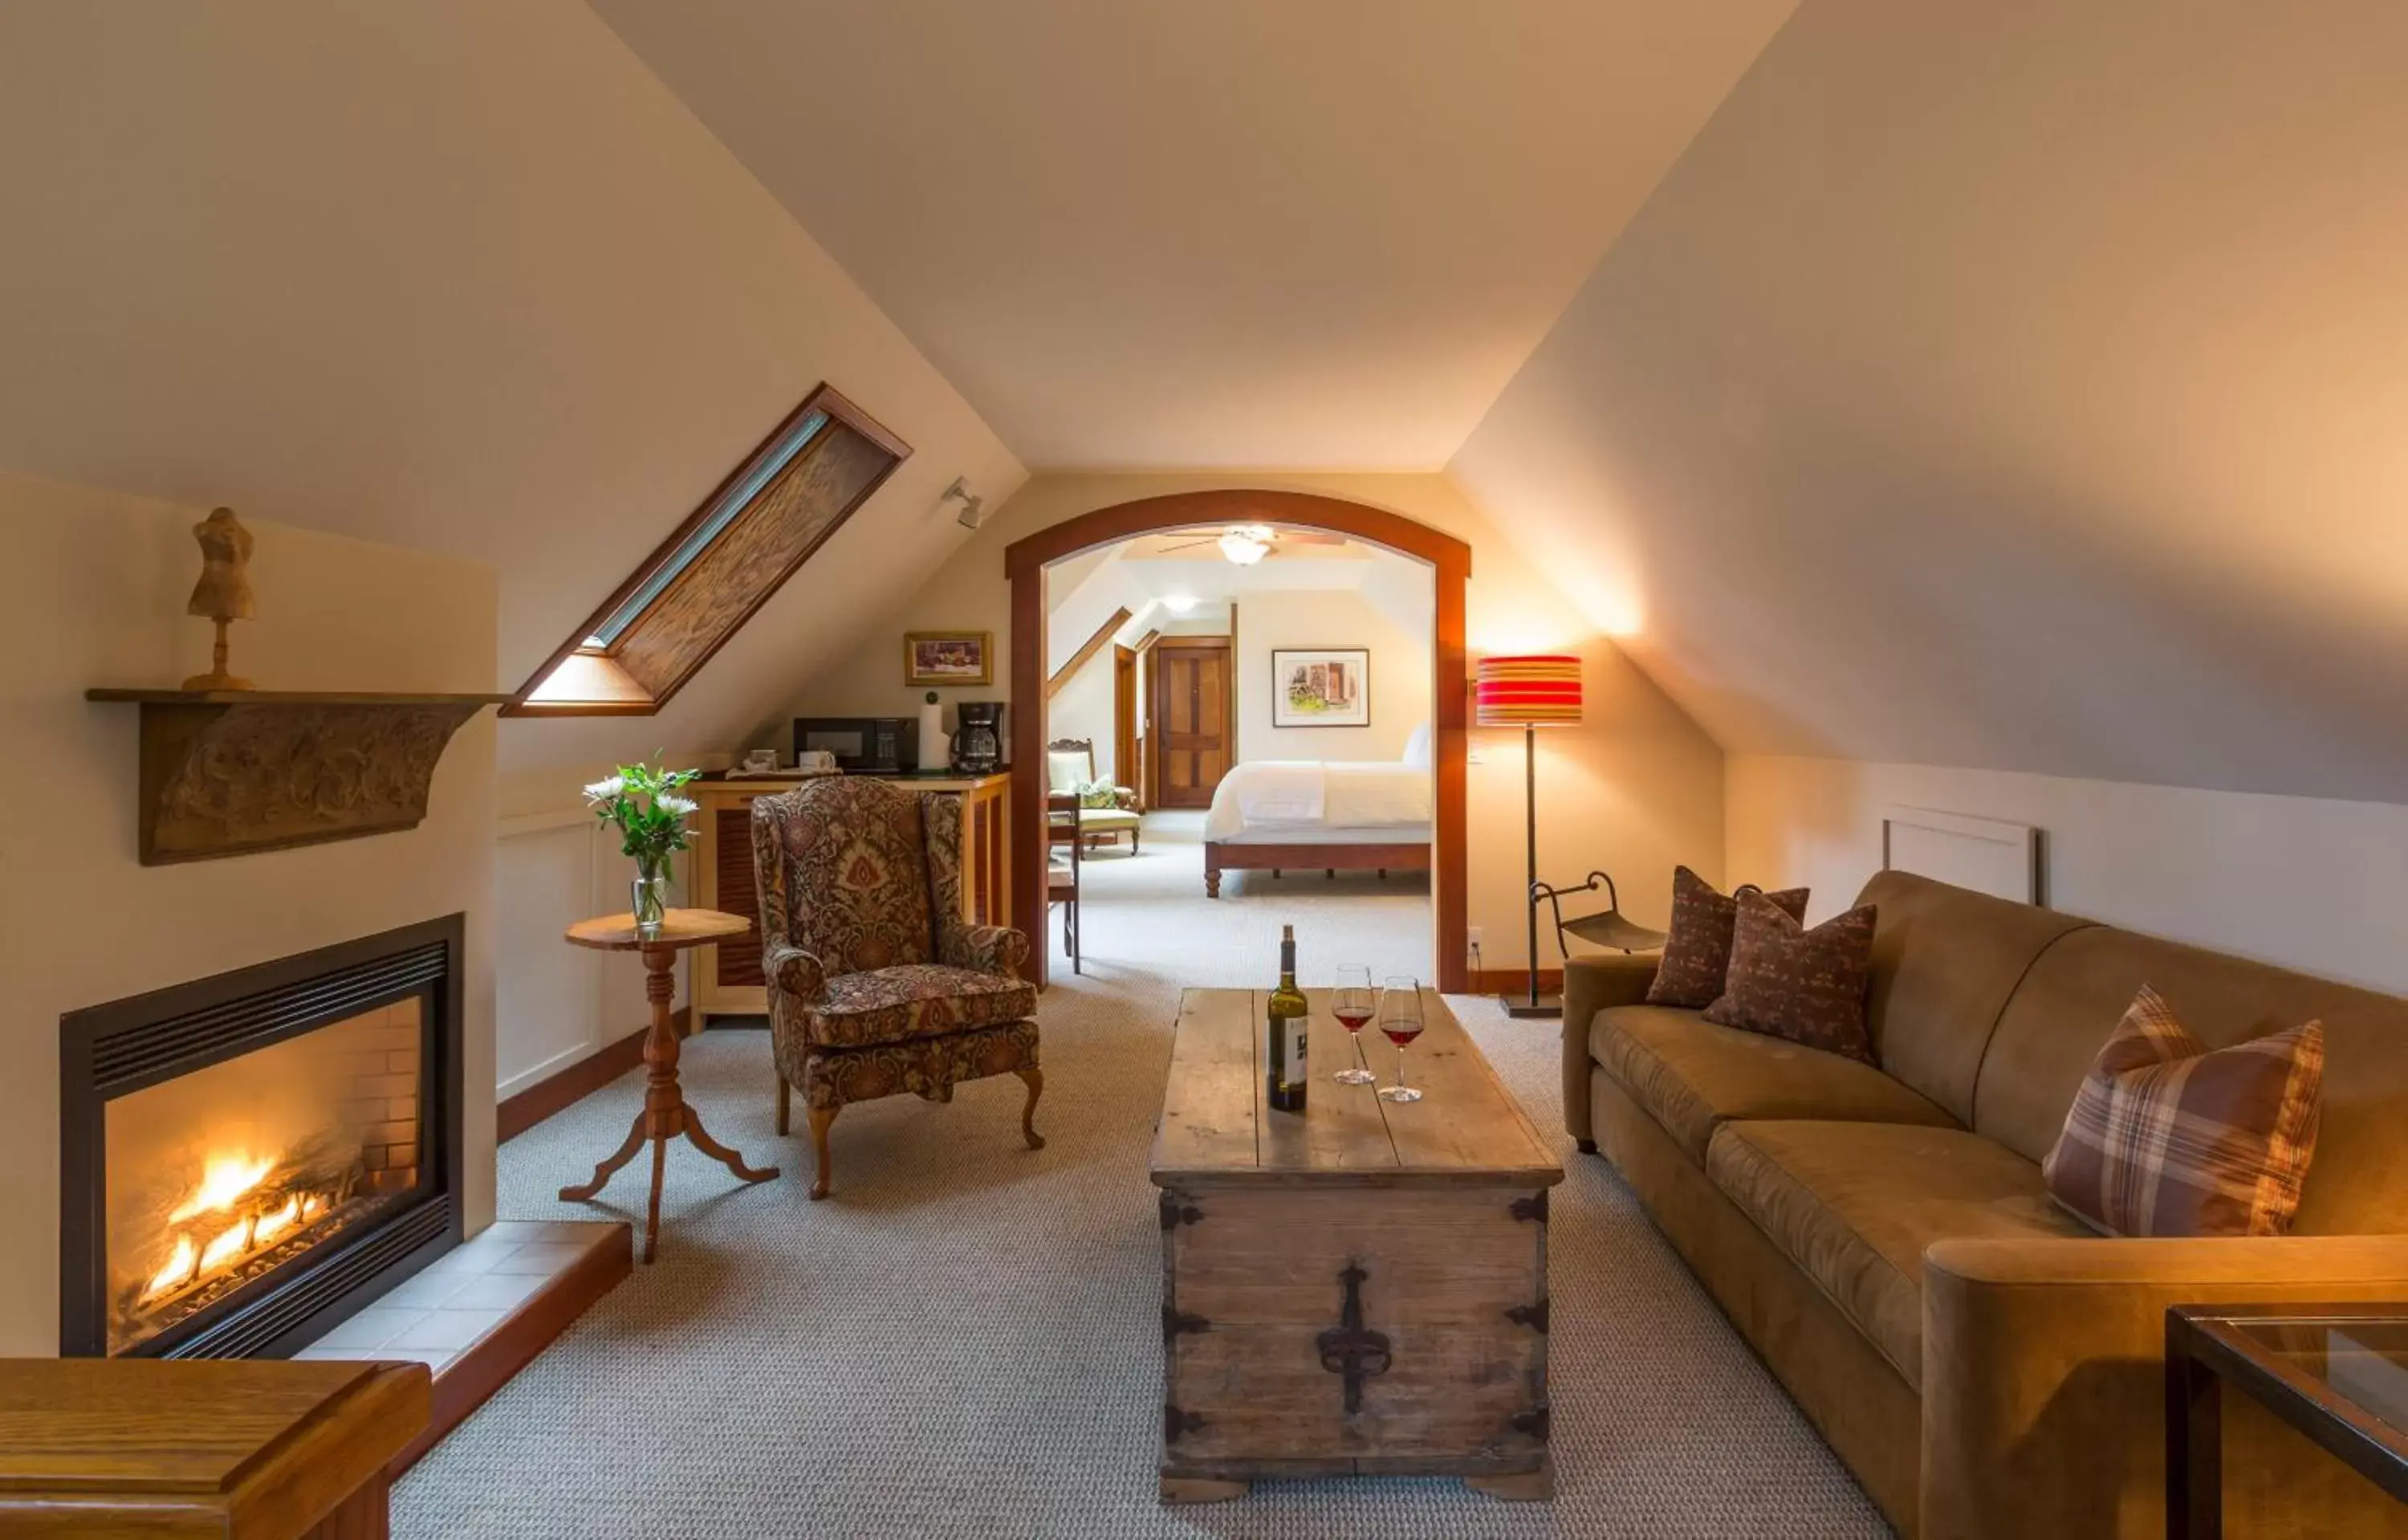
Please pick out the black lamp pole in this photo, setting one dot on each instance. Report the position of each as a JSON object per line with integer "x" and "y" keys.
{"x": 1534, "y": 1006}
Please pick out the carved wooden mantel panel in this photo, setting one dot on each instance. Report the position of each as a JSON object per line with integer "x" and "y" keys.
{"x": 228, "y": 772}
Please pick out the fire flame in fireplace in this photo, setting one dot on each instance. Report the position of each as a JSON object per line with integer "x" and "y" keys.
{"x": 223, "y": 1181}
{"x": 231, "y": 1183}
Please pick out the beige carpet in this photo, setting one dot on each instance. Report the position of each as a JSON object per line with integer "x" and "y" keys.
{"x": 964, "y": 1341}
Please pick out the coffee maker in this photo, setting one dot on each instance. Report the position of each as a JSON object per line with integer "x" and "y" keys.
{"x": 978, "y": 748}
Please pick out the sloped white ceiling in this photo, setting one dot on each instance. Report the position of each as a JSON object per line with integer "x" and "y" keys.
{"x": 455, "y": 275}
{"x": 2022, "y": 386}
{"x": 1238, "y": 234}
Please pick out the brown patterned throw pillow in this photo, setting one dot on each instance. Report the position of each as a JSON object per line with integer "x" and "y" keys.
{"x": 1698, "y": 953}
{"x": 1805, "y": 986}
{"x": 2166, "y": 1138}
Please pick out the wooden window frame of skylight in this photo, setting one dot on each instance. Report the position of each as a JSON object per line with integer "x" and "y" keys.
{"x": 631, "y": 698}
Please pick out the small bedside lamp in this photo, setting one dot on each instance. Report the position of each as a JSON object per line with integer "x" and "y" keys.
{"x": 1529, "y": 691}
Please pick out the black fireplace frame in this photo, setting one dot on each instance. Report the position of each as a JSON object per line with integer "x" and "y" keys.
{"x": 113, "y": 1050}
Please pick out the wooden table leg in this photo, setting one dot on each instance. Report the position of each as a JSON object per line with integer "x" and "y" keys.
{"x": 721, "y": 1153}
{"x": 667, "y": 1114}
{"x": 610, "y": 1164}
{"x": 1202, "y": 1489}
{"x": 1521, "y": 1487}
{"x": 2194, "y": 1441}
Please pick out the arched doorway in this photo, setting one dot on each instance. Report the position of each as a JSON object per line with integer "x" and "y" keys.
{"x": 1450, "y": 560}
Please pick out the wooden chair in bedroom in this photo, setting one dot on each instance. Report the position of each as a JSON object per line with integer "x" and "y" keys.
{"x": 1069, "y": 764}
{"x": 1062, "y": 843}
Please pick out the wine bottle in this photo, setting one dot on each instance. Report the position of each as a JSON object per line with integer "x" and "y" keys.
{"x": 1288, "y": 1009}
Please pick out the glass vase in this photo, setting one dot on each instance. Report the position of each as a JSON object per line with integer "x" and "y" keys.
{"x": 651, "y": 891}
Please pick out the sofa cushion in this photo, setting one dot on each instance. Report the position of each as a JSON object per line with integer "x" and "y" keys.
{"x": 1946, "y": 961}
{"x": 1692, "y": 1075}
{"x": 915, "y": 1000}
{"x": 2076, "y": 994}
{"x": 1854, "y": 1204}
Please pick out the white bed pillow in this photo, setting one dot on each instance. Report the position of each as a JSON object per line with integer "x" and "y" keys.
{"x": 1417, "y": 747}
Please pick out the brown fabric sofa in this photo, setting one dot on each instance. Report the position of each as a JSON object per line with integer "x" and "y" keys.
{"x": 1985, "y": 1365}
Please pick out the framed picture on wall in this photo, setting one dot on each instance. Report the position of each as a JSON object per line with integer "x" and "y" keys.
{"x": 1321, "y": 688}
{"x": 948, "y": 657}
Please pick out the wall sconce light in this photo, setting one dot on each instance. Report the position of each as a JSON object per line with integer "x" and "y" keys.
{"x": 973, "y": 507}
{"x": 1179, "y": 604}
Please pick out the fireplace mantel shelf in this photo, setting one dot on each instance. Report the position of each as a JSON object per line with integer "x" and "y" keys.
{"x": 230, "y": 773}
{"x": 287, "y": 697}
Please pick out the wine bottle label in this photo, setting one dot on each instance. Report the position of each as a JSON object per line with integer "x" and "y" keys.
{"x": 1291, "y": 1070}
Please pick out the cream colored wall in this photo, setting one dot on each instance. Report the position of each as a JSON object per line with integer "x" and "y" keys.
{"x": 93, "y": 592}
{"x": 459, "y": 276}
{"x": 1400, "y": 672}
{"x": 1083, "y": 709}
{"x": 2303, "y": 882}
{"x": 1634, "y": 790}
{"x": 2013, "y": 385}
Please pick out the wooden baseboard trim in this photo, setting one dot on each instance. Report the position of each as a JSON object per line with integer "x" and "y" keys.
{"x": 1514, "y": 981}
{"x": 468, "y": 1381}
{"x": 524, "y": 1109}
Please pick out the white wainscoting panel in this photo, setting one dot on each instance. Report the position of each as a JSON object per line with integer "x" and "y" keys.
{"x": 556, "y": 1003}
{"x": 1985, "y": 854}
{"x": 547, "y": 993}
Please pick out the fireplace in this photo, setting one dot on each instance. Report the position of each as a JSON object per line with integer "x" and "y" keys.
{"x": 249, "y": 1159}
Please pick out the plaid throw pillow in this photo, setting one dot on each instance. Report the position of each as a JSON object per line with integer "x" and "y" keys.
{"x": 1698, "y": 953}
{"x": 2166, "y": 1138}
{"x": 1805, "y": 986}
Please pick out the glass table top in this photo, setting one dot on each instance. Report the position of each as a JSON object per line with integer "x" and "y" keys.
{"x": 2361, "y": 1358}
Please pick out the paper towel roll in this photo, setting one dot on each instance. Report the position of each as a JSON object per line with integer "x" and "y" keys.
{"x": 936, "y": 749}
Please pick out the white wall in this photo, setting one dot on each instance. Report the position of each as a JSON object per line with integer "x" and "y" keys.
{"x": 2306, "y": 882}
{"x": 93, "y": 592}
{"x": 1083, "y": 709}
{"x": 1400, "y": 669}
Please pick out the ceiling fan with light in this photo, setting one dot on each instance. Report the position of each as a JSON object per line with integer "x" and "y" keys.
{"x": 1248, "y": 543}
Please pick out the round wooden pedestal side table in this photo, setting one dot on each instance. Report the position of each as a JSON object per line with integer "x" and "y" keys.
{"x": 666, "y": 1113}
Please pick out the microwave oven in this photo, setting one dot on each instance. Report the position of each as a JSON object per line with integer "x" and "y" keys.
{"x": 863, "y": 745}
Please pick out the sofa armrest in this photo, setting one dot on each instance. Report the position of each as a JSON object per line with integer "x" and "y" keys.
{"x": 792, "y": 971}
{"x": 2043, "y": 1375}
{"x": 996, "y": 949}
{"x": 1591, "y": 985}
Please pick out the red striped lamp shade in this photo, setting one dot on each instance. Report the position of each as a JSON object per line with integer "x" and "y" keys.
{"x": 1540, "y": 688}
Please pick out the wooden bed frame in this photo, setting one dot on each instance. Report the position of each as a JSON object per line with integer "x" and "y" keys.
{"x": 1232, "y": 855}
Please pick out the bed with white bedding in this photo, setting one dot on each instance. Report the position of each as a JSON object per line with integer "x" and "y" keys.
{"x": 1269, "y": 815}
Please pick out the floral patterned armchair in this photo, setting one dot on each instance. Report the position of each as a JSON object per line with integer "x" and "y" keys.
{"x": 877, "y": 985}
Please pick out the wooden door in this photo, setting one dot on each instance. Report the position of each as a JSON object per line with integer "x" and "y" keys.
{"x": 1195, "y": 729}
{"x": 1125, "y": 771}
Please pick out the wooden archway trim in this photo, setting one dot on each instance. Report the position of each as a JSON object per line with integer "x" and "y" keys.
{"x": 1025, "y": 561}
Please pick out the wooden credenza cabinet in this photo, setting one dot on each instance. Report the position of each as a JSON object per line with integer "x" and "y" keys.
{"x": 727, "y": 979}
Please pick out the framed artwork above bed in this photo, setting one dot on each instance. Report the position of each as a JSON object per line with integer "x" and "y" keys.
{"x": 1321, "y": 686}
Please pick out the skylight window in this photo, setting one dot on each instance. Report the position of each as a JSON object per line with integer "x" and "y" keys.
{"x": 718, "y": 566}
{"x": 717, "y": 516}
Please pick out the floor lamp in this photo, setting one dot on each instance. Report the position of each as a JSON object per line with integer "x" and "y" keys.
{"x": 1529, "y": 692}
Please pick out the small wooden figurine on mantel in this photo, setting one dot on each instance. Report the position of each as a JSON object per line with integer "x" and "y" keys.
{"x": 223, "y": 592}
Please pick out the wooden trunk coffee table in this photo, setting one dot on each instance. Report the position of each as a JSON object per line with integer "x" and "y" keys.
{"x": 1361, "y": 1290}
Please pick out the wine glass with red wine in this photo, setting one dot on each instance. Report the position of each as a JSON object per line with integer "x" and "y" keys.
{"x": 1400, "y": 1018}
{"x": 1352, "y": 1003}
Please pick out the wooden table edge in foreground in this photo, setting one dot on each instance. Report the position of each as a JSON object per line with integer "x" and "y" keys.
{"x": 1463, "y": 1168}
{"x": 239, "y": 1449}
{"x": 667, "y": 1114}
